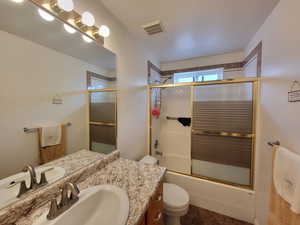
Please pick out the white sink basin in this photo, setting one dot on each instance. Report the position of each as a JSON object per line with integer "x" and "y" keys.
{"x": 9, "y": 195}
{"x": 98, "y": 205}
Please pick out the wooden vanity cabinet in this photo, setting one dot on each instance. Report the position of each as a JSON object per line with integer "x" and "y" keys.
{"x": 154, "y": 214}
{"x": 143, "y": 222}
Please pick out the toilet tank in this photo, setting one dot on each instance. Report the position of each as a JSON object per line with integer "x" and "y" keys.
{"x": 149, "y": 160}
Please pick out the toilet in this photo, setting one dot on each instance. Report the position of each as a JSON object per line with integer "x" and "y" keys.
{"x": 176, "y": 199}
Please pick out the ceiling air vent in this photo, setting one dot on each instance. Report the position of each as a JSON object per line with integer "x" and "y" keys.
{"x": 153, "y": 27}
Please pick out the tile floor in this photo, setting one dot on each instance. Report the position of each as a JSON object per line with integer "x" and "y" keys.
{"x": 199, "y": 216}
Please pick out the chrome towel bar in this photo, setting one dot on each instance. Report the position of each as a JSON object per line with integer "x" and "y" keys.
{"x": 272, "y": 144}
{"x": 171, "y": 118}
{"x": 32, "y": 130}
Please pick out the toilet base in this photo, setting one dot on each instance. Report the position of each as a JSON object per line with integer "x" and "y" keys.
{"x": 172, "y": 220}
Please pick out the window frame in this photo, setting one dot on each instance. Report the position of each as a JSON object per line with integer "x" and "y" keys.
{"x": 199, "y": 73}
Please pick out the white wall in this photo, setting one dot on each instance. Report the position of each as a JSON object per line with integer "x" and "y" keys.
{"x": 28, "y": 84}
{"x": 132, "y": 80}
{"x": 279, "y": 120}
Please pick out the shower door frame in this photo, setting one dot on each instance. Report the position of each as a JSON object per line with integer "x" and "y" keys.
{"x": 104, "y": 124}
{"x": 255, "y": 84}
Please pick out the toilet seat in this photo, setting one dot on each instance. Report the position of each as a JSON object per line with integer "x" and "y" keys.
{"x": 175, "y": 198}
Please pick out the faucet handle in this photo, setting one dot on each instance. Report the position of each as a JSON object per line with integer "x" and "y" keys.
{"x": 31, "y": 170}
{"x": 75, "y": 192}
{"x": 23, "y": 188}
{"x": 43, "y": 180}
{"x": 53, "y": 210}
{"x": 65, "y": 198}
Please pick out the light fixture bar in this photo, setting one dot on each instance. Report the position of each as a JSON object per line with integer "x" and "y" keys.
{"x": 65, "y": 17}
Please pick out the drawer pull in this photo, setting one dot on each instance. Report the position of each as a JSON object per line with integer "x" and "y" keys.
{"x": 158, "y": 217}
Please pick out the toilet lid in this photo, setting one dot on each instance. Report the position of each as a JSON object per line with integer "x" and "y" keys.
{"x": 175, "y": 197}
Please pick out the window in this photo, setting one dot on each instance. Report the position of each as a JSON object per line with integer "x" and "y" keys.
{"x": 96, "y": 83}
{"x": 199, "y": 76}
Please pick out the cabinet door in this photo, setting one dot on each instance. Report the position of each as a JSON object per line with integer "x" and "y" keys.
{"x": 155, "y": 211}
{"x": 143, "y": 220}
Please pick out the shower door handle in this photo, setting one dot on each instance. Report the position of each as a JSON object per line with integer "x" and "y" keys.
{"x": 221, "y": 133}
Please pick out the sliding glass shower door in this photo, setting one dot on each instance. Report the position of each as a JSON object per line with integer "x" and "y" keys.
{"x": 205, "y": 129}
{"x": 222, "y": 132}
{"x": 171, "y": 136}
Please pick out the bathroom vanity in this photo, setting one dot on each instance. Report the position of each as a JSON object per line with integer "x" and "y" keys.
{"x": 154, "y": 214}
{"x": 142, "y": 183}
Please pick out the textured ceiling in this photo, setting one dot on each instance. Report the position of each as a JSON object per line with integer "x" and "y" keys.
{"x": 193, "y": 28}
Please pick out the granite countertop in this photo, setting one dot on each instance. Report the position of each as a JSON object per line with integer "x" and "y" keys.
{"x": 139, "y": 180}
{"x": 76, "y": 160}
{"x": 70, "y": 163}
{"x": 78, "y": 166}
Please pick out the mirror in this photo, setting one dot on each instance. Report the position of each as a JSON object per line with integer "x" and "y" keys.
{"x": 46, "y": 75}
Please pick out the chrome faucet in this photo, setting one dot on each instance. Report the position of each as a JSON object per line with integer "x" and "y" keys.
{"x": 34, "y": 184}
{"x": 67, "y": 200}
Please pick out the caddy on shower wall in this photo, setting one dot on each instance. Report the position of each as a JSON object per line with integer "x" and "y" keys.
{"x": 219, "y": 145}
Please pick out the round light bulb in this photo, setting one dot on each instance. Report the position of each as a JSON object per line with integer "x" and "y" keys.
{"x": 69, "y": 29}
{"x": 46, "y": 16}
{"x": 104, "y": 31}
{"x": 18, "y": 1}
{"x": 87, "y": 39}
{"x": 88, "y": 19}
{"x": 66, "y": 5}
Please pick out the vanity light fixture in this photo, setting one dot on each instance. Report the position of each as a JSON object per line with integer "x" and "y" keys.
{"x": 64, "y": 11}
{"x": 87, "y": 39}
{"x": 18, "y": 1}
{"x": 88, "y": 19}
{"x": 104, "y": 31}
{"x": 66, "y": 5}
{"x": 45, "y": 15}
{"x": 68, "y": 28}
